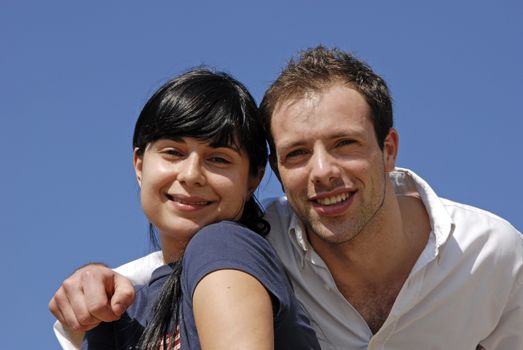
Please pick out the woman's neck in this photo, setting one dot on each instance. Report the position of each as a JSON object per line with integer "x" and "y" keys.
{"x": 172, "y": 249}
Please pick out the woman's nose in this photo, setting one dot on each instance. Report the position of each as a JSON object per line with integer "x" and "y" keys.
{"x": 190, "y": 171}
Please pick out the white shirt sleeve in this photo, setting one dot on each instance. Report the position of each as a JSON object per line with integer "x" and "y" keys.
{"x": 508, "y": 333}
{"x": 137, "y": 271}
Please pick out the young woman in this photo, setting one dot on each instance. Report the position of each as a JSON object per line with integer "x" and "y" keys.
{"x": 199, "y": 154}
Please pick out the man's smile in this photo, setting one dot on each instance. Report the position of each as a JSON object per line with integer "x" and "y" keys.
{"x": 334, "y": 203}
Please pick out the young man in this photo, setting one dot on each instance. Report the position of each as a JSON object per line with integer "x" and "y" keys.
{"x": 377, "y": 259}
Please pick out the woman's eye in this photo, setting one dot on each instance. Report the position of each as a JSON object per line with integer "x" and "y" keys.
{"x": 172, "y": 152}
{"x": 219, "y": 160}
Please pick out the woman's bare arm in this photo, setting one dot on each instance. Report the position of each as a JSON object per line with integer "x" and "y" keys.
{"x": 233, "y": 310}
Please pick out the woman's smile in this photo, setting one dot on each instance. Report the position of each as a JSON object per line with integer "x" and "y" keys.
{"x": 188, "y": 183}
{"x": 189, "y": 203}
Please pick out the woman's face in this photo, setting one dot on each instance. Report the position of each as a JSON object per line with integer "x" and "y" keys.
{"x": 187, "y": 184}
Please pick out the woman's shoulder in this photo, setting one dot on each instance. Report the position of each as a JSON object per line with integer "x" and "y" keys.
{"x": 227, "y": 226}
{"x": 229, "y": 245}
{"x": 226, "y": 235}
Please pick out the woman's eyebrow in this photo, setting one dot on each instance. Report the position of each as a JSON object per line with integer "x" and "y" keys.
{"x": 233, "y": 146}
{"x": 176, "y": 139}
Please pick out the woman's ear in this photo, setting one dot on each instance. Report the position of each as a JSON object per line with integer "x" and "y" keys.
{"x": 138, "y": 164}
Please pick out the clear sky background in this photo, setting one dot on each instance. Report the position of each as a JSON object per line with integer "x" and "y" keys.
{"x": 74, "y": 76}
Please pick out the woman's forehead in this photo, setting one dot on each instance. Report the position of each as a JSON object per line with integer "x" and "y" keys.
{"x": 215, "y": 142}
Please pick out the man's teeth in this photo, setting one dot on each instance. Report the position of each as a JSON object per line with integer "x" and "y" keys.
{"x": 333, "y": 199}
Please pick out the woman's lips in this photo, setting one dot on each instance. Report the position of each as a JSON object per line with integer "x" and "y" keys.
{"x": 187, "y": 203}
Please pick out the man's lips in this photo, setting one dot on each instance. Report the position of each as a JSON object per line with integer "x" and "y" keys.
{"x": 333, "y": 203}
{"x": 332, "y": 197}
{"x": 330, "y": 200}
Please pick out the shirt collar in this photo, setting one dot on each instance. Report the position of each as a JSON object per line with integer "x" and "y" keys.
{"x": 404, "y": 181}
{"x": 297, "y": 231}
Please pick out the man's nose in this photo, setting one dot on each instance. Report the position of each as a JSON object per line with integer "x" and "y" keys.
{"x": 325, "y": 168}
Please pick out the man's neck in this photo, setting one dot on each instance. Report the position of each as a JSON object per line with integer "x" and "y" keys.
{"x": 371, "y": 269}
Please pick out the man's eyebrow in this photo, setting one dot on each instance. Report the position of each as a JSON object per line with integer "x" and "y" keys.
{"x": 346, "y": 133}
{"x": 336, "y": 135}
{"x": 291, "y": 144}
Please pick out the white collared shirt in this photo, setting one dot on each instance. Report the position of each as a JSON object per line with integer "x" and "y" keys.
{"x": 465, "y": 288}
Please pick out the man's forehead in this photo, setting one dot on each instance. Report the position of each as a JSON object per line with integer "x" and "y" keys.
{"x": 304, "y": 134}
{"x": 312, "y": 97}
{"x": 335, "y": 112}
{"x": 336, "y": 101}
{"x": 297, "y": 106}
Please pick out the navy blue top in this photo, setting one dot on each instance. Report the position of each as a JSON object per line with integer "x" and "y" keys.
{"x": 225, "y": 245}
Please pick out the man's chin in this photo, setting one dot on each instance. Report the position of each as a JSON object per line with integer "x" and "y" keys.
{"x": 331, "y": 233}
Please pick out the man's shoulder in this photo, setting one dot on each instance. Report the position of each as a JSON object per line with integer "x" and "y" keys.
{"x": 471, "y": 215}
{"x": 276, "y": 207}
{"x": 467, "y": 218}
{"x": 272, "y": 203}
{"x": 478, "y": 227}
{"x": 278, "y": 214}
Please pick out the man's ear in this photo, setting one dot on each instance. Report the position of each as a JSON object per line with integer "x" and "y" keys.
{"x": 138, "y": 164}
{"x": 390, "y": 149}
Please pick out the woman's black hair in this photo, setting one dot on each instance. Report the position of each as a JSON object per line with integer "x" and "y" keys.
{"x": 212, "y": 107}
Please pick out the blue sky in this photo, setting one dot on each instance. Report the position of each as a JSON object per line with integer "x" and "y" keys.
{"x": 74, "y": 76}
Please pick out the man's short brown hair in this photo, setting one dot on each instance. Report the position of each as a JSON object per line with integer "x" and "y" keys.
{"x": 320, "y": 67}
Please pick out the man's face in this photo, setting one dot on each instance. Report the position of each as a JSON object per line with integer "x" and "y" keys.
{"x": 329, "y": 162}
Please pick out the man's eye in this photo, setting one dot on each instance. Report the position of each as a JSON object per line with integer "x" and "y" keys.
{"x": 345, "y": 142}
{"x": 295, "y": 153}
{"x": 294, "y": 157}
